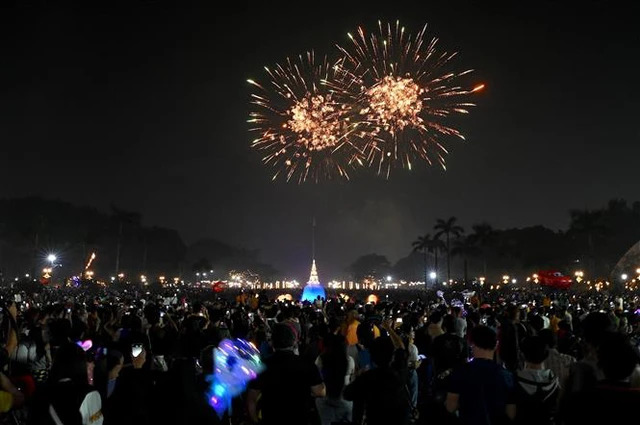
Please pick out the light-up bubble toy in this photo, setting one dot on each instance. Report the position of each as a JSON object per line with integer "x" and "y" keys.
{"x": 236, "y": 362}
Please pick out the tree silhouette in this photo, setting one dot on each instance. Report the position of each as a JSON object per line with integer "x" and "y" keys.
{"x": 201, "y": 266}
{"x": 123, "y": 219}
{"x": 448, "y": 228}
{"x": 484, "y": 237}
{"x": 371, "y": 266}
{"x": 465, "y": 247}
{"x": 428, "y": 244}
{"x": 588, "y": 225}
{"x": 422, "y": 245}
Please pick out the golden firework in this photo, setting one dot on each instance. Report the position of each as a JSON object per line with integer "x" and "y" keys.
{"x": 394, "y": 104}
{"x": 407, "y": 90}
{"x": 303, "y": 120}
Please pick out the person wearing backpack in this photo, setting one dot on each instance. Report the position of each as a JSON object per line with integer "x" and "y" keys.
{"x": 537, "y": 388}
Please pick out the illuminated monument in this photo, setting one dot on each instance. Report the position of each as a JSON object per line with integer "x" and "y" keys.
{"x": 313, "y": 288}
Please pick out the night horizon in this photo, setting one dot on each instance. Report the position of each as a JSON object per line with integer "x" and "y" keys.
{"x": 147, "y": 110}
{"x": 319, "y": 213}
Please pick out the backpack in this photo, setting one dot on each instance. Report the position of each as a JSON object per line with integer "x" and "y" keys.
{"x": 539, "y": 407}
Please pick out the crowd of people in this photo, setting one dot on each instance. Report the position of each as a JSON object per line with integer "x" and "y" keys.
{"x": 90, "y": 357}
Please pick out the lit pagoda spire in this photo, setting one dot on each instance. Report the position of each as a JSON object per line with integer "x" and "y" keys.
{"x": 313, "y": 289}
{"x": 313, "y": 278}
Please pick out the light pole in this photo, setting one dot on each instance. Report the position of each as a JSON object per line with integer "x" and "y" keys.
{"x": 433, "y": 275}
{"x": 51, "y": 258}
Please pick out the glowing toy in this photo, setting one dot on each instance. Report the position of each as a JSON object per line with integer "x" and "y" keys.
{"x": 85, "y": 345}
{"x": 236, "y": 362}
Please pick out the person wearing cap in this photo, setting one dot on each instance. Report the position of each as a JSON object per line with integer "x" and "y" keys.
{"x": 287, "y": 384}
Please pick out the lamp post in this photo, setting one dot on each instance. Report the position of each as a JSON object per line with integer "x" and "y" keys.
{"x": 51, "y": 258}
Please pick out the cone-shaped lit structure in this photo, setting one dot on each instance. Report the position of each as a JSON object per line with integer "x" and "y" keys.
{"x": 313, "y": 277}
{"x": 313, "y": 288}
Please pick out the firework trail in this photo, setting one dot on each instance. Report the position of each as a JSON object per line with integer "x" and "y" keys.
{"x": 303, "y": 120}
{"x": 407, "y": 89}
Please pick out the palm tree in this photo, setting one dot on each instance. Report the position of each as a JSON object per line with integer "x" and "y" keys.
{"x": 436, "y": 246}
{"x": 428, "y": 244}
{"x": 465, "y": 247}
{"x": 422, "y": 245}
{"x": 448, "y": 228}
{"x": 484, "y": 236}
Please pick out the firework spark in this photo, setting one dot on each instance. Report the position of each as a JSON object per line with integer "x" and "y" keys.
{"x": 303, "y": 120}
{"x": 407, "y": 90}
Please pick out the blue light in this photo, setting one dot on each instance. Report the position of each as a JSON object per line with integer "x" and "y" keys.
{"x": 230, "y": 357}
{"x": 312, "y": 291}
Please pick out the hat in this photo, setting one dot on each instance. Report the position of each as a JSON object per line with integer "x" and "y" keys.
{"x": 282, "y": 336}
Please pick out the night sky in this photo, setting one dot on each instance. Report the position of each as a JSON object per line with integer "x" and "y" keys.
{"x": 145, "y": 106}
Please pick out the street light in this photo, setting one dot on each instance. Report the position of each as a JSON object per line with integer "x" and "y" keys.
{"x": 433, "y": 275}
{"x": 624, "y": 276}
{"x": 388, "y": 278}
{"x": 51, "y": 258}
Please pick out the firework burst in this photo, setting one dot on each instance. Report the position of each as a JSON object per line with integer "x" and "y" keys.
{"x": 406, "y": 91}
{"x": 303, "y": 122}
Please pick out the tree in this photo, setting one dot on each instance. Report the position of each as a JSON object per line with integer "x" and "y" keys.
{"x": 465, "y": 247}
{"x": 483, "y": 236}
{"x": 428, "y": 244}
{"x": 370, "y": 266}
{"x": 422, "y": 244}
{"x": 410, "y": 268}
{"x": 588, "y": 225}
{"x": 436, "y": 246}
{"x": 123, "y": 219}
{"x": 201, "y": 266}
{"x": 448, "y": 228}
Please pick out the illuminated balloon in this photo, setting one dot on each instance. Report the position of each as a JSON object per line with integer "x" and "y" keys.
{"x": 372, "y": 299}
{"x": 285, "y": 297}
